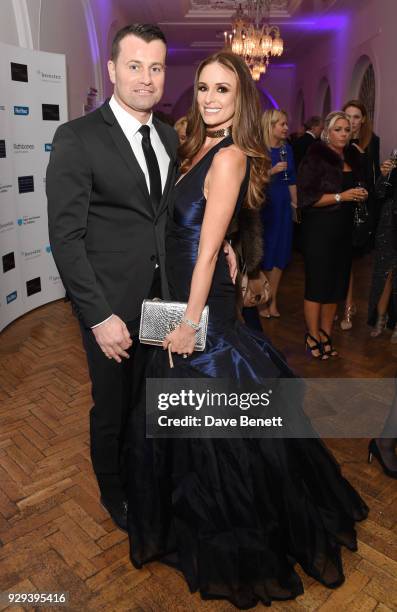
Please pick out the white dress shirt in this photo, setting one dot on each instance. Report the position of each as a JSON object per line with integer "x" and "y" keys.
{"x": 130, "y": 127}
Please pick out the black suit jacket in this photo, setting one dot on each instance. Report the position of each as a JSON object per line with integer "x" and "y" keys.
{"x": 104, "y": 232}
{"x": 301, "y": 146}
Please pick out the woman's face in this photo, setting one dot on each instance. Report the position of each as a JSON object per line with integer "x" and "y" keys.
{"x": 356, "y": 117}
{"x": 339, "y": 134}
{"x": 280, "y": 128}
{"x": 216, "y": 95}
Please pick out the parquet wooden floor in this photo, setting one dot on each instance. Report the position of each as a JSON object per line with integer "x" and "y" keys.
{"x": 56, "y": 537}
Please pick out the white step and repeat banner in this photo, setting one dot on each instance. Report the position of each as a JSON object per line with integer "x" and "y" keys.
{"x": 33, "y": 103}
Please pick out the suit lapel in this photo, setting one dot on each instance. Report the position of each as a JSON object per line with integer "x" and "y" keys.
{"x": 171, "y": 151}
{"x": 124, "y": 149}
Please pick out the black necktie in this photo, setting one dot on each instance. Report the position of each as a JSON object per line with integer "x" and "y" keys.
{"x": 152, "y": 166}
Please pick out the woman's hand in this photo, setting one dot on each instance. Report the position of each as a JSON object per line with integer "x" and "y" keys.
{"x": 256, "y": 295}
{"x": 182, "y": 340}
{"x": 386, "y": 167}
{"x": 231, "y": 260}
{"x": 357, "y": 194}
{"x": 279, "y": 167}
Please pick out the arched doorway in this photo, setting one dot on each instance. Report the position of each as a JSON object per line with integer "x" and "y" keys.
{"x": 363, "y": 84}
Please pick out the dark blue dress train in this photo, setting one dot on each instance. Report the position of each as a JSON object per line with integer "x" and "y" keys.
{"x": 234, "y": 515}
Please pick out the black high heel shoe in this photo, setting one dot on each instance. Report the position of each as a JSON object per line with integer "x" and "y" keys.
{"x": 373, "y": 451}
{"x": 331, "y": 352}
{"x": 317, "y": 346}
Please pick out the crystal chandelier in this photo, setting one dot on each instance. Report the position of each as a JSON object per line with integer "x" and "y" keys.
{"x": 252, "y": 39}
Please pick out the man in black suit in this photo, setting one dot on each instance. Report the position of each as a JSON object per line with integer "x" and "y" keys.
{"x": 313, "y": 127}
{"x": 108, "y": 182}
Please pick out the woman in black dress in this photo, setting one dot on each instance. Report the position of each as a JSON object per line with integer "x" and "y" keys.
{"x": 326, "y": 190}
{"x": 368, "y": 143}
{"x": 382, "y": 310}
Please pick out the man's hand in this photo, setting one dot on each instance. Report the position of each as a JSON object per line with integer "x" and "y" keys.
{"x": 113, "y": 338}
{"x": 231, "y": 260}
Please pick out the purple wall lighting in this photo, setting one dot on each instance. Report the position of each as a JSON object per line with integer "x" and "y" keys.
{"x": 265, "y": 94}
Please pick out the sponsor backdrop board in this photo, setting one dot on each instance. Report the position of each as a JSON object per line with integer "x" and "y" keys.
{"x": 33, "y": 103}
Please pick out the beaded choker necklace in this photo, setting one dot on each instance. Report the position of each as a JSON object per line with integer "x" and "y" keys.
{"x": 227, "y": 131}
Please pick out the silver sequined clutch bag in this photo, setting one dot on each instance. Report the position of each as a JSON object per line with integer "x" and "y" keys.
{"x": 159, "y": 318}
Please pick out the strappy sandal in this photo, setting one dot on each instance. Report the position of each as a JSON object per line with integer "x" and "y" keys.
{"x": 317, "y": 346}
{"x": 327, "y": 344}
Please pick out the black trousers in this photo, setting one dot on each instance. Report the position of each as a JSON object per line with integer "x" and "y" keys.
{"x": 112, "y": 385}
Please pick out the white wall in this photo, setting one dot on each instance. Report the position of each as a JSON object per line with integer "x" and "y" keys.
{"x": 8, "y": 26}
{"x": 370, "y": 30}
{"x": 83, "y": 29}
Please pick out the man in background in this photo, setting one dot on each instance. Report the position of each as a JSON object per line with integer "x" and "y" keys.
{"x": 313, "y": 129}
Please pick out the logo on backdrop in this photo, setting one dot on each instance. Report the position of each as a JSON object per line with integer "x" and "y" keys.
{"x": 23, "y": 148}
{"x": 55, "y": 279}
{"x": 33, "y": 286}
{"x": 48, "y": 147}
{"x": 2, "y": 107}
{"x": 19, "y": 72}
{"x": 21, "y": 110}
{"x": 25, "y": 184}
{"x": 28, "y": 220}
{"x": 11, "y": 297}
{"x": 3, "y": 148}
{"x": 31, "y": 254}
{"x": 50, "y": 76}
{"x": 5, "y": 188}
{"x": 8, "y": 262}
{"x": 6, "y": 227}
{"x": 50, "y": 112}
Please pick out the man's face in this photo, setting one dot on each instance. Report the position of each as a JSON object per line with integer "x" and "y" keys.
{"x": 138, "y": 74}
{"x": 317, "y": 129}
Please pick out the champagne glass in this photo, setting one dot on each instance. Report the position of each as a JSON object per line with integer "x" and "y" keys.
{"x": 393, "y": 159}
{"x": 283, "y": 158}
{"x": 360, "y": 210}
{"x": 362, "y": 185}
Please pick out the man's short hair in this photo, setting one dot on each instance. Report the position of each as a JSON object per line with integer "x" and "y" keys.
{"x": 313, "y": 121}
{"x": 146, "y": 31}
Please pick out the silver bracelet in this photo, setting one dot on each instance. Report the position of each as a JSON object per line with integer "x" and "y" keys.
{"x": 192, "y": 324}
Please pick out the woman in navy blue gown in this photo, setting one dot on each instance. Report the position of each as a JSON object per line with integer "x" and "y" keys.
{"x": 277, "y": 211}
{"x": 233, "y": 515}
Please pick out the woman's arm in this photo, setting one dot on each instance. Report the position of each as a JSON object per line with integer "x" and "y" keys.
{"x": 381, "y": 186}
{"x": 222, "y": 186}
{"x": 357, "y": 194}
{"x": 294, "y": 196}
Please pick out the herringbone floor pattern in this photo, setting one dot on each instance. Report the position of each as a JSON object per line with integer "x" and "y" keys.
{"x": 56, "y": 537}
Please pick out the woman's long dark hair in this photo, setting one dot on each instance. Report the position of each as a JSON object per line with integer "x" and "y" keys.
{"x": 366, "y": 129}
{"x": 246, "y": 128}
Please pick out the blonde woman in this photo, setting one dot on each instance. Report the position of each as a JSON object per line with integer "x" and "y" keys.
{"x": 328, "y": 181}
{"x": 277, "y": 214}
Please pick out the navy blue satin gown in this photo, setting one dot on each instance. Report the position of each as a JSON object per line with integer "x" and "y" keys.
{"x": 233, "y": 515}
